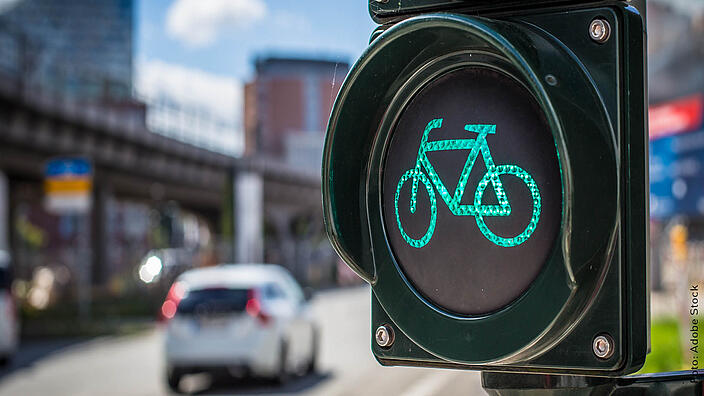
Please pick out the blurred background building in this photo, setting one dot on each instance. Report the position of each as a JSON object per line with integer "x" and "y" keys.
{"x": 81, "y": 48}
{"x": 287, "y": 106}
{"x": 676, "y": 92}
{"x": 675, "y": 49}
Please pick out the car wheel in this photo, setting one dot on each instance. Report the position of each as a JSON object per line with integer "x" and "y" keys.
{"x": 283, "y": 374}
{"x": 173, "y": 378}
{"x": 5, "y": 361}
{"x": 313, "y": 362}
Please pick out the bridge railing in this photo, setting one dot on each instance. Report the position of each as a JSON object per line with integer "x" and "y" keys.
{"x": 195, "y": 125}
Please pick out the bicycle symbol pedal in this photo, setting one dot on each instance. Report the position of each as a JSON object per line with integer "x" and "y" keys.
{"x": 478, "y": 146}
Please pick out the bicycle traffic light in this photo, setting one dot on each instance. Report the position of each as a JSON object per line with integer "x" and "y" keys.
{"x": 485, "y": 171}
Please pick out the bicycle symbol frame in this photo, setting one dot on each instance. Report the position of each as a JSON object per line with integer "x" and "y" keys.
{"x": 476, "y": 209}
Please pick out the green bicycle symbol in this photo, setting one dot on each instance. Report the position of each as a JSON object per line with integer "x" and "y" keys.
{"x": 476, "y": 209}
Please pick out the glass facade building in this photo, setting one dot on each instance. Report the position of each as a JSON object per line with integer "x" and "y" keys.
{"x": 80, "y": 48}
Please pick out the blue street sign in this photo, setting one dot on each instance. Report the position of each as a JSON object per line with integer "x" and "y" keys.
{"x": 67, "y": 167}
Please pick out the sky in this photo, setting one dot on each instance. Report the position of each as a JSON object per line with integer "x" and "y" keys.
{"x": 200, "y": 52}
{"x": 222, "y": 36}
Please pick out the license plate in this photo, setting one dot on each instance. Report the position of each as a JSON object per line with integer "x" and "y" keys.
{"x": 212, "y": 323}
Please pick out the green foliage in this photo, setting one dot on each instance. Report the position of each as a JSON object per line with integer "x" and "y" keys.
{"x": 665, "y": 347}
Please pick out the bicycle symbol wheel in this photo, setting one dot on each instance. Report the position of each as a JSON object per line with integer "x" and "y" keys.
{"x": 422, "y": 241}
{"x": 481, "y": 210}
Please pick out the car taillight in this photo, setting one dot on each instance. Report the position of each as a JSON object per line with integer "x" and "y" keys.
{"x": 169, "y": 307}
{"x": 254, "y": 308}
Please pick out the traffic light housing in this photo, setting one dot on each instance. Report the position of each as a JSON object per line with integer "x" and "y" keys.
{"x": 485, "y": 170}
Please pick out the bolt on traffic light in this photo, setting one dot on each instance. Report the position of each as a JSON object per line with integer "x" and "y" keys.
{"x": 485, "y": 170}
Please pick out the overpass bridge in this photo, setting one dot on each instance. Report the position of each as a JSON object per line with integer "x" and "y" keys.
{"x": 258, "y": 205}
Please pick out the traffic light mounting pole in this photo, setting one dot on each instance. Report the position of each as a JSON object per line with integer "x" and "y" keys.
{"x": 514, "y": 384}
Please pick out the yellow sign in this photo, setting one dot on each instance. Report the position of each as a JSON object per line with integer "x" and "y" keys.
{"x": 68, "y": 186}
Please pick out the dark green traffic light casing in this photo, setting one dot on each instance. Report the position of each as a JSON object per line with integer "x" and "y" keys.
{"x": 533, "y": 101}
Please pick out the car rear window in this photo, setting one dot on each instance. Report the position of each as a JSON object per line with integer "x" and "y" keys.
{"x": 213, "y": 301}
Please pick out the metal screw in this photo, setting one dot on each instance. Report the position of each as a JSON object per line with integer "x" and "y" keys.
{"x": 384, "y": 336}
{"x": 599, "y": 30}
{"x": 603, "y": 346}
{"x": 551, "y": 80}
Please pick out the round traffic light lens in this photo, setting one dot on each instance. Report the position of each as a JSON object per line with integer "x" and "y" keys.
{"x": 472, "y": 191}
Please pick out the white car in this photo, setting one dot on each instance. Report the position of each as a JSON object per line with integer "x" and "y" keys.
{"x": 247, "y": 319}
{"x": 8, "y": 317}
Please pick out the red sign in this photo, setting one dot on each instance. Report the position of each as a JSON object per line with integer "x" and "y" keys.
{"x": 679, "y": 116}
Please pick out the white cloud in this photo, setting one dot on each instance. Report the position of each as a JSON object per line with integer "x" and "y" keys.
{"x": 221, "y": 95}
{"x": 198, "y": 22}
{"x": 197, "y": 95}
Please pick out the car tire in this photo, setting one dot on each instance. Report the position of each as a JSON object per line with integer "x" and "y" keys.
{"x": 283, "y": 375}
{"x": 5, "y": 360}
{"x": 173, "y": 379}
{"x": 313, "y": 362}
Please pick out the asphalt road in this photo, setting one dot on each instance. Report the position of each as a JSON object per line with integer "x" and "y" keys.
{"x": 133, "y": 365}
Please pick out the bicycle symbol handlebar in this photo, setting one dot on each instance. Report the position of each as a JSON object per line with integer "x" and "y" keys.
{"x": 453, "y": 201}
